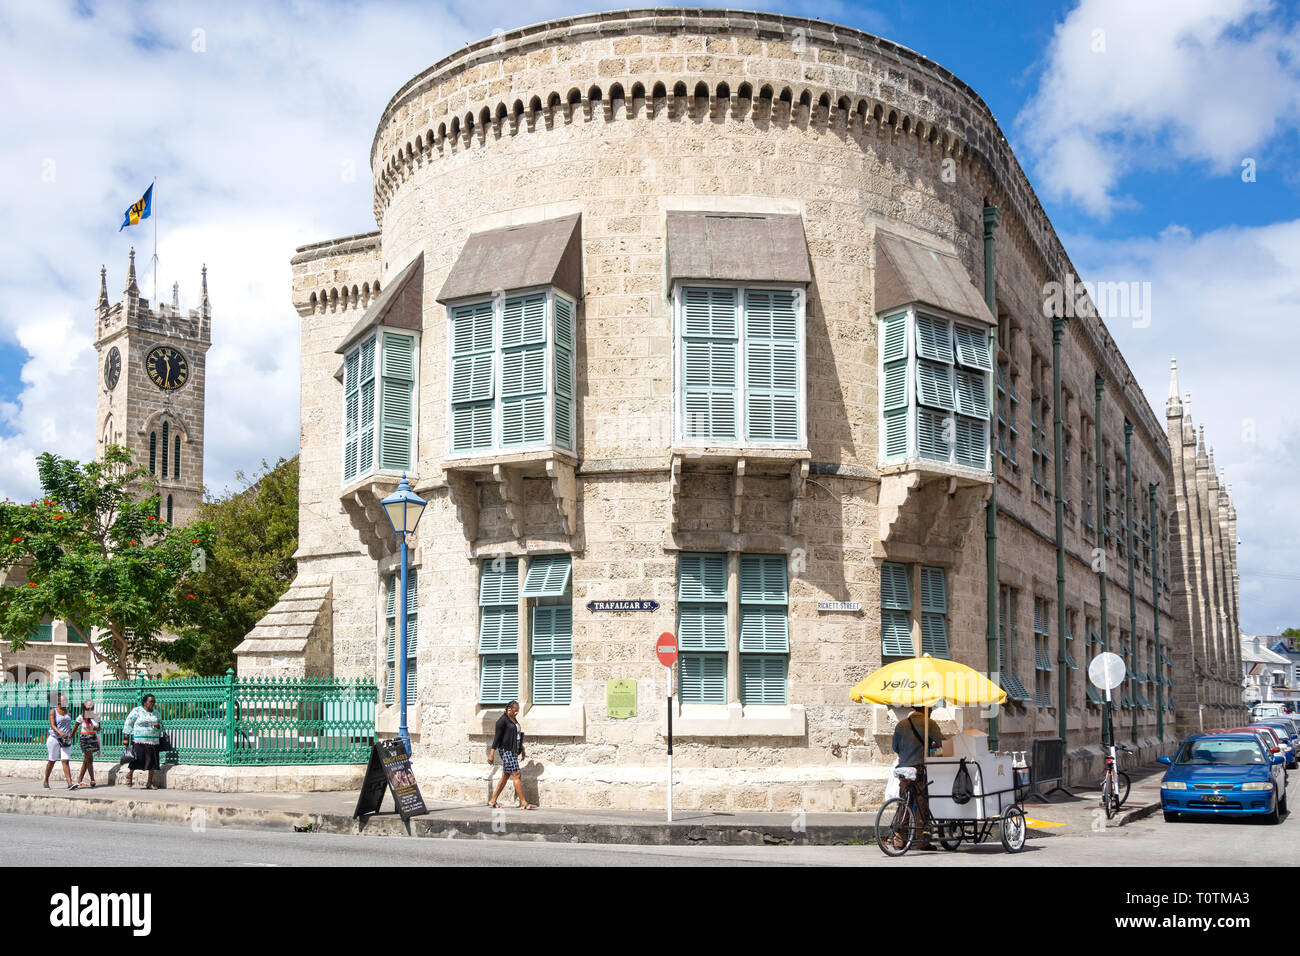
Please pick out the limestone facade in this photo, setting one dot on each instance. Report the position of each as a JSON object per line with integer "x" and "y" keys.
{"x": 622, "y": 118}
{"x": 1206, "y": 589}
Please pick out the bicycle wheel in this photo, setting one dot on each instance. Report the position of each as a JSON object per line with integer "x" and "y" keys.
{"x": 1108, "y": 797}
{"x": 896, "y": 819}
{"x": 1123, "y": 784}
{"x": 1014, "y": 829}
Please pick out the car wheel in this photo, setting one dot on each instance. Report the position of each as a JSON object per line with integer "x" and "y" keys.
{"x": 1273, "y": 817}
{"x": 1281, "y": 805}
{"x": 1171, "y": 816}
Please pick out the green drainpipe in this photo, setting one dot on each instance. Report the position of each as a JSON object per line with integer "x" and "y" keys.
{"x": 991, "y": 217}
{"x": 1155, "y": 611}
{"x": 1132, "y": 591}
{"x": 1058, "y": 430}
{"x": 1099, "y": 386}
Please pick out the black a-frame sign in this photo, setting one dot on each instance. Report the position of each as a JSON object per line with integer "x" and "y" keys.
{"x": 389, "y": 769}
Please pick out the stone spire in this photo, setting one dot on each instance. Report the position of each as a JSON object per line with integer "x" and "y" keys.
{"x": 1202, "y": 460}
{"x": 132, "y": 290}
{"x": 1189, "y": 430}
{"x": 101, "y": 306}
{"x": 204, "y": 304}
{"x": 176, "y": 296}
{"x": 1174, "y": 406}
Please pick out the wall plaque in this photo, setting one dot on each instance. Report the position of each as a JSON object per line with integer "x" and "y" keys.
{"x": 620, "y": 698}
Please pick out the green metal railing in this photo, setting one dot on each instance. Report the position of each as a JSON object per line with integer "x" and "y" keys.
{"x": 220, "y": 721}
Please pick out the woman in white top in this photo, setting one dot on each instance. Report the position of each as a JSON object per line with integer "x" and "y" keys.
{"x": 88, "y": 733}
{"x": 58, "y": 742}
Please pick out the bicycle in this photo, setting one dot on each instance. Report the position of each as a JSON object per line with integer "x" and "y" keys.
{"x": 1115, "y": 783}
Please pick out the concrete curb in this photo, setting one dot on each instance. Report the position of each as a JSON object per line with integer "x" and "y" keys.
{"x": 1138, "y": 813}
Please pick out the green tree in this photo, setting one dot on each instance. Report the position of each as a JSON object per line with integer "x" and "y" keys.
{"x": 255, "y": 535}
{"x": 91, "y": 551}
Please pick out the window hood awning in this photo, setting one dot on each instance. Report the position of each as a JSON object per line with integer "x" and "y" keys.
{"x": 399, "y": 305}
{"x": 908, "y": 273}
{"x": 737, "y": 247}
{"x": 519, "y": 257}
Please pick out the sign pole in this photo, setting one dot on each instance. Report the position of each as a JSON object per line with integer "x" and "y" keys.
{"x": 666, "y": 651}
{"x": 669, "y": 673}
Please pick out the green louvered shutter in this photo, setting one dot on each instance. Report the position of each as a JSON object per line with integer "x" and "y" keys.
{"x": 523, "y": 371}
{"x": 764, "y": 624}
{"x": 366, "y": 420}
{"x": 933, "y": 339}
{"x": 972, "y": 394}
{"x": 552, "y": 652}
{"x": 472, "y": 386}
{"x": 972, "y": 348}
{"x": 895, "y": 611}
{"x": 710, "y": 342}
{"x": 934, "y": 385}
{"x": 351, "y": 415}
{"x": 895, "y": 397}
{"x": 565, "y": 379}
{"x": 548, "y": 575}
{"x": 972, "y": 442}
{"x": 763, "y": 679}
{"x": 498, "y": 636}
{"x": 934, "y": 612}
{"x": 702, "y": 678}
{"x": 397, "y": 402}
{"x": 771, "y": 366}
{"x": 931, "y": 438}
{"x": 702, "y": 627}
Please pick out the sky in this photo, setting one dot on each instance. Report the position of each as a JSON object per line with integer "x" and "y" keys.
{"x": 1160, "y": 136}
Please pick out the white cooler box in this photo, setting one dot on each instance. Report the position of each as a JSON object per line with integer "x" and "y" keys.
{"x": 991, "y": 774}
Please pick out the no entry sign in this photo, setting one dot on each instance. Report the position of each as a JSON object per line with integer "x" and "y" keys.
{"x": 666, "y": 649}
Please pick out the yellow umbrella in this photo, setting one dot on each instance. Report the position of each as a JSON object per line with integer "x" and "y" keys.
{"x": 924, "y": 681}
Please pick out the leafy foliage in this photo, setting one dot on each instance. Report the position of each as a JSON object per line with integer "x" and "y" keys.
{"x": 251, "y": 564}
{"x": 92, "y": 551}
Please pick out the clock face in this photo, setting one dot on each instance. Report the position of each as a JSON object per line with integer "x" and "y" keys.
{"x": 112, "y": 368}
{"x": 167, "y": 368}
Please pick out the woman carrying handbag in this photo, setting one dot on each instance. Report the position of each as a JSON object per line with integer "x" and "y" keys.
{"x": 143, "y": 730}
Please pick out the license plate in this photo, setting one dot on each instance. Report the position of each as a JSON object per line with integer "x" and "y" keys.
{"x": 1214, "y": 798}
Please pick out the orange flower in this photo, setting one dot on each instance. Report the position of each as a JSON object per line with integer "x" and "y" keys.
{"x": 31, "y": 584}
{"x": 133, "y": 542}
{"x": 58, "y": 517}
{"x": 194, "y": 540}
{"x": 189, "y": 595}
{"x": 16, "y": 540}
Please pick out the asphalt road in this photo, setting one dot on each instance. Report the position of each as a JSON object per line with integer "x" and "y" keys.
{"x": 58, "y": 842}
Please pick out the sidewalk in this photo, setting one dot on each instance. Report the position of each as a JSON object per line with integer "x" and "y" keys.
{"x": 331, "y": 812}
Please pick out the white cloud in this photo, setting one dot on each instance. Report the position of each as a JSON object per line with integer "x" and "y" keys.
{"x": 1154, "y": 84}
{"x": 1223, "y": 302}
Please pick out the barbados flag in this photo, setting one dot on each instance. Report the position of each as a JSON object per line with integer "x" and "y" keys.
{"x": 140, "y": 209}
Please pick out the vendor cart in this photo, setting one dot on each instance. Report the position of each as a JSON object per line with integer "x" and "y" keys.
{"x": 992, "y": 807}
{"x": 992, "y": 804}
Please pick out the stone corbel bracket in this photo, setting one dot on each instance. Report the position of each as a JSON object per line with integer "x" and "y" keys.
{"x": 564, "y": 490}
{"x": 510, "y": 485}
{"x": 367, "y": 516}
{"x": 675, "y": 493}
{"x": 463, "y": 489}
{"x": 798, "y": 479}
{"x": 737, "y": 495}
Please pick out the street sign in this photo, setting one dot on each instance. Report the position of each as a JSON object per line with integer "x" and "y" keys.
{"x": 638, "y": 604}
{"x": 1107, "y": 671}
{"x": 666, "y": 649}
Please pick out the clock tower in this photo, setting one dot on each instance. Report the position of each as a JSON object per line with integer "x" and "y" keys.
{"x": 150, "y": 385}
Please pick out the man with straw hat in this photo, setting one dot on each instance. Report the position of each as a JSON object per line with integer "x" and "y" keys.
{"x": 913, "y": 735}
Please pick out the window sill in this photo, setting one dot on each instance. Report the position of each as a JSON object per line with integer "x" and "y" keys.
{"x": 962, "y": 473}
{"x": 528, "y": 460}
{"x": 705, "y": 452}
{"x": 538, "y": 720}
{"x": 736, "y": 720}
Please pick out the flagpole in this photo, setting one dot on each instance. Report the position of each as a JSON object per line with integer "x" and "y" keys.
{"x": 153, "y": 213}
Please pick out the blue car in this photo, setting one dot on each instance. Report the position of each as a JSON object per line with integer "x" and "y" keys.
{"x": 1224, "y": 774}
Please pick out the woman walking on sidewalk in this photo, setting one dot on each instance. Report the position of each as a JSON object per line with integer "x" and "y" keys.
{"x": 88, "y": 734}
{"x": 143, "y": 729}
{"x": 58, "y": 743}
{"x": 509, "y": 739}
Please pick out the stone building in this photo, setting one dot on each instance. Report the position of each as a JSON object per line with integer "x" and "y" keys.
{"x": 150, "y": 389}
{"x": 734, "y": 316}
{"x": 1206, "y": 587}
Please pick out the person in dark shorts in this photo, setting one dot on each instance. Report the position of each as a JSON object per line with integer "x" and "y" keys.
{"x": 509, "y": 739}
{"x": 143, "y": 729}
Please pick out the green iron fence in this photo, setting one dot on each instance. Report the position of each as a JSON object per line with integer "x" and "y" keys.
{"x": 221, "y": 721}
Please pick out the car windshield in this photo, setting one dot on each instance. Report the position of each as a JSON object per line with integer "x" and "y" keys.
{"x": 1224, "y": 752}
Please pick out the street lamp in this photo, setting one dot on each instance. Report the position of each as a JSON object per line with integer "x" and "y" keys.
{"x": 403, "y": 508}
